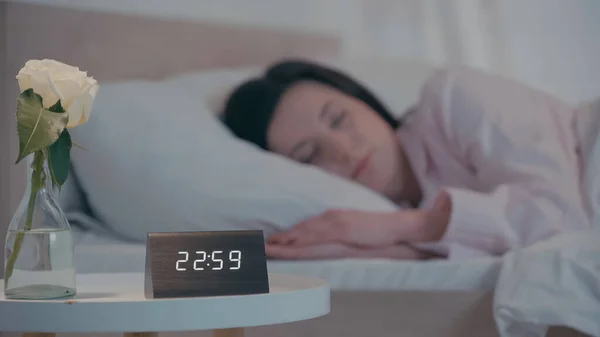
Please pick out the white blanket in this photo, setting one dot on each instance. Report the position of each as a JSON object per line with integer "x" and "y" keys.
{"x": 554, "y": 283}
{"x": 557, "y": 282}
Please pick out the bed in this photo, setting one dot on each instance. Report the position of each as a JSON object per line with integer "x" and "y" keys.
{"x": 370, "y": 297}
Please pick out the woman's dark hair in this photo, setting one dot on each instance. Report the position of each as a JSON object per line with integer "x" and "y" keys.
{"x": 249, "y": 109}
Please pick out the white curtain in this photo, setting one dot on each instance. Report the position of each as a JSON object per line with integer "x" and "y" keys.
{"x": 442, "y": 31}
{"x": 553, "y": 45}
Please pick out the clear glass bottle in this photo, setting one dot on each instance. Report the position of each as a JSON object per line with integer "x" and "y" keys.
{"x": 39, "y": 257}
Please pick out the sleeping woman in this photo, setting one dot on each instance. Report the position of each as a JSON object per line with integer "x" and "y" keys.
{"x": 486, "y": 164}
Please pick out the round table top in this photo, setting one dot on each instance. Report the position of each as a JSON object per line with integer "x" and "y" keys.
{"x": 116, "y": 303}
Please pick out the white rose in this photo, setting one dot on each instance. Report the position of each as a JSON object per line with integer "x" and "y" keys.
{"x": 54, "y": 80}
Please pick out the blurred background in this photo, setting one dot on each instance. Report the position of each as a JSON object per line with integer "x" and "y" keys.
{"x": 553, "y": 45}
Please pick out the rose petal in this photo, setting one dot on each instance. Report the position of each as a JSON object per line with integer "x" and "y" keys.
{"x": 69, "y": 89}
{"x": 53, "y": 64}
{"x": 55, "y": 89}
{"x": 76, "y": 113}
{"x": 39, "y": 84}
{"x": 34, "y": 64}
{"x": 24, "y": 80}
{"x": 81, "y": 108}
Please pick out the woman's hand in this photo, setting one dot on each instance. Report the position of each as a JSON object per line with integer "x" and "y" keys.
{"x": 340, "y": 251}
{"x": 369, "y": 229}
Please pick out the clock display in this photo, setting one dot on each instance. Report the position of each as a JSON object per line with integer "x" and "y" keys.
{"x": 182, "y": 264}
{"x": 201, "y": 260}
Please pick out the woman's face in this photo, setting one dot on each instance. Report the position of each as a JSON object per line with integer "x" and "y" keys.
{"x": 319, "y": 125}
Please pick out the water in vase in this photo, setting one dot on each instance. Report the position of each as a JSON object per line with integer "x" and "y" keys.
{"x": 44, "y": 269}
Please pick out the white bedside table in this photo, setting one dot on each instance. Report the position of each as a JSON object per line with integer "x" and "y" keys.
{"x": 116, "y": 303}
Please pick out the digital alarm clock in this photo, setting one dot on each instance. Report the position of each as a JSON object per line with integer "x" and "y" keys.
{"x": 216, "y": 263}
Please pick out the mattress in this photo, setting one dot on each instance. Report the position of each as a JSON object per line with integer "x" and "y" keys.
{"x": 103, "y": 254}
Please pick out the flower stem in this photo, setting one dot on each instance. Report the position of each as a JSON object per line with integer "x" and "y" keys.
{"x": 36, "y": 177}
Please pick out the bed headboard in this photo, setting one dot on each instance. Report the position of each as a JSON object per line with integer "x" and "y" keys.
{"x": 113, "y": 47}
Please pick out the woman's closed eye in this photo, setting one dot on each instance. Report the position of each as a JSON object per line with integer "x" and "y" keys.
{"x": 310, "y": 157}
{"x": 306, "y": 152}
{"x": 337, "y": 120}
{"x": 309, "y": 153}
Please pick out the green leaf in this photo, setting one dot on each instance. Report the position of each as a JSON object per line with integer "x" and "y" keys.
{"x": 57, "y": 107}
{"x": 37, "y": 127}
{"x": 59, "y": 158}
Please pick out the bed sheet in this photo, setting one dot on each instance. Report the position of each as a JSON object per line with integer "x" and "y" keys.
{"x": 95, "y": 254}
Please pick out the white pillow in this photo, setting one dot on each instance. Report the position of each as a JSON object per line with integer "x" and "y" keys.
{"x": 157, "y": 159}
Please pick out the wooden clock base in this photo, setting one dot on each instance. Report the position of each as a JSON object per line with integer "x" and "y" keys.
{"x": 235, "y": 332}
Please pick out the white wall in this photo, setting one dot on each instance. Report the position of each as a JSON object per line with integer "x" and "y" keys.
{"x": 555, "y": 44}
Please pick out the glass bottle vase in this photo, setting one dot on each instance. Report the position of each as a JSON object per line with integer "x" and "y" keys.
{"x": 39, "y": 252}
